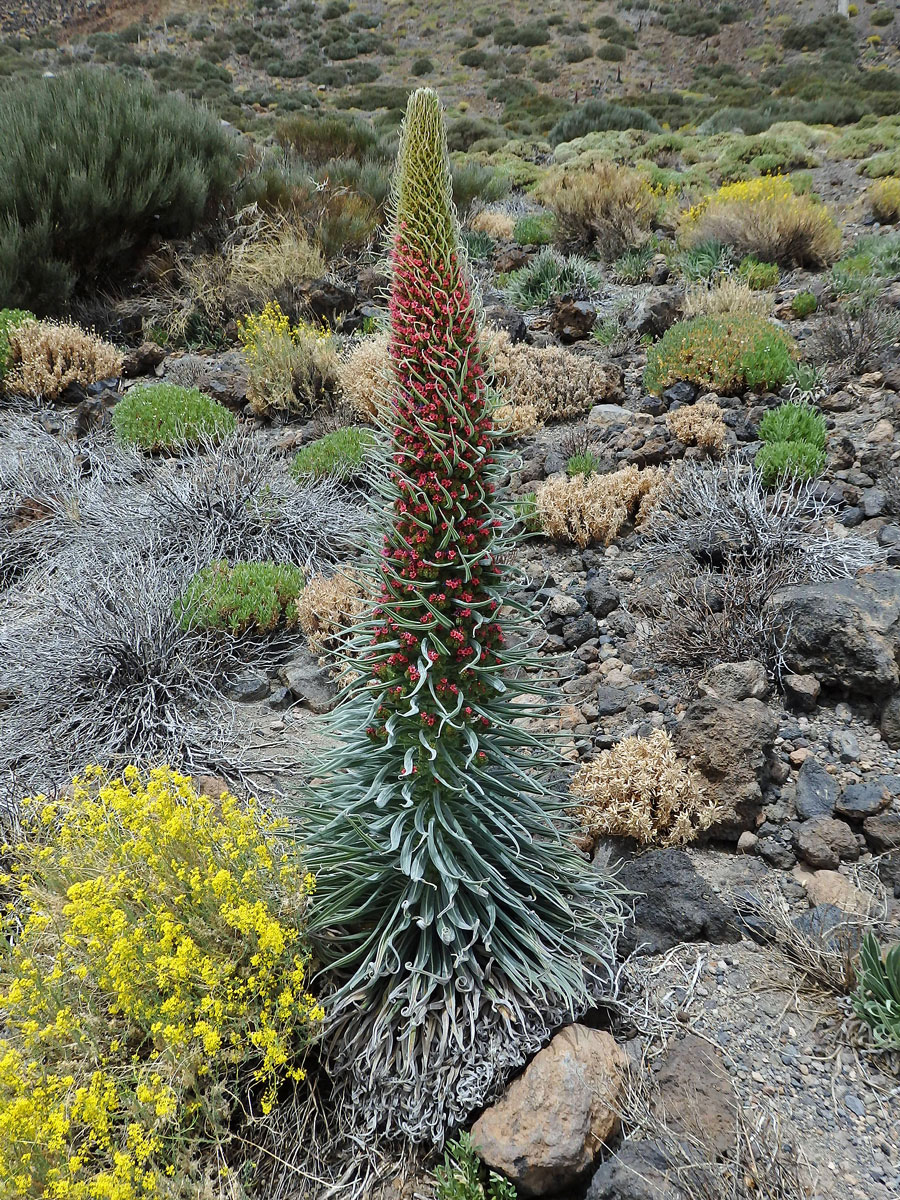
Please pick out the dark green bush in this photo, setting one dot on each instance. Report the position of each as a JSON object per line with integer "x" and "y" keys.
{"x": 473, "y": 181}
{"x": 248, "y": 597}
{"x": 463, "y": 132}
{"x": 94, "y": 166}
{"x": 612, "y": 52}
{"x": 164, "y": 416}
{"x": 474, "y": 58}
{"x": 882, "y": 16}
{"x": 320, "y": 138}
{"x": 422, "y": 66}
{"x": 823, "y": 33}
{"x": 598, "y": 115}
{"x": 341, "y": 454}
{"x": 535, "y": 229}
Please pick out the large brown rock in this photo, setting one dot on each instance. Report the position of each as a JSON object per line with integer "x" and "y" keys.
{"x": 695, "y": 1095}
{"x": 729, "y": 743}
{"x": 547, "y": 1130}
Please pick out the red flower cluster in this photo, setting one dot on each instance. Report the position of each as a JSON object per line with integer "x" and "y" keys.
{"x": 436, "y": 607}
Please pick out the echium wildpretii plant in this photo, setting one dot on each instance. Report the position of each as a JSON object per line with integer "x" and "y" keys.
{"x": 453, "y": 914}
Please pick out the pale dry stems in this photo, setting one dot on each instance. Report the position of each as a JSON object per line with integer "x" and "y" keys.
{"x": 698, "y": 424}
{"x": 495, "y": 223}
{"x": 327, "y": 608}
{"x": 594, "y": 508}
{"x": 365, "y": 375}
{"x": 641, "y": 789}
{"x": 46, "y": 357}
{"x": 558, "y": 384}
{"x": 727, "y": 294}
{"x": 516, "y": 420}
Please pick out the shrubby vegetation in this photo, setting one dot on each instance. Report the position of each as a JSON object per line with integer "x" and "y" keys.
{"x": 793, "y": 437}
{"x": 242, "y": 597}
{"x": 727, "y": 354}
{"x": 551, "y": 274}
{"x": 154, "y": 984}
{"x": 292, "y": 368}
{"x": 44, "y": 358}
{"x": 91, "y": 151}
{"x": 341, "y": 454}
{"x": 164, "y": 416}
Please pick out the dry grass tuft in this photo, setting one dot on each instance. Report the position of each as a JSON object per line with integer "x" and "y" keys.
{"x": 559, "y": 385}
{"x": 495, "y": 223}
{"x": 327, "y": 607}
{"x": 593, "y": 508}
{"x": 514, "y": 420}
{"x": 46, "y": 357}
{"x": 728, "y": 294}
{"x": 641, "y": 789}
{"x": 698, "y": 424}
{"x": 365, "y": 375}
{"x": 607, "y": 209}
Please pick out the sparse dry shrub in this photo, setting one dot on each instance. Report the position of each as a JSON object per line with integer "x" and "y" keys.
{"x": 495, "y": 223}
{"x": 698, "y": 424}
{"x": 284, "y": 255}
{"x": 327, "y": 606}
{"x": 884, "y": 199}
{"x": 516, "y": 420}
{"x": 559, "y": 385}
{"x": 728, "y": 294}
{"x": 608, "y": 208}
{"x": 766, "y": 218}
{"x": 593, "y": 508}
{"x": 641, "y": 789}
{"x": 45, "y": 358}
{"x": 364, "y": 375}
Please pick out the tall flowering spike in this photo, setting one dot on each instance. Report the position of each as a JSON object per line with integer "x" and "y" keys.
{"x": 453, "y": 917}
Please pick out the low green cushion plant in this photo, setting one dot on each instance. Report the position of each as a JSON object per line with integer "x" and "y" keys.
{"x": 780, "y": 460}
{"x": 10, "y": 319}
{"x": 242, "y": 598}
{"x": 803, "y": 304}
{"x": 877, "y": 998}
{"x": 340, "y": 454}
{"x": 164, "y": 416}
{"x": 583, "y": 464}
{"x": 758, "y": 275}
{"x": 535, "y": 229}
{"x": 551, "y": 274}
{"x": 793, "y": 423}
{"x": 727, "y": 354}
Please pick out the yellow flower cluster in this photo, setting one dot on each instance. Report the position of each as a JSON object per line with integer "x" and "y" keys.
{"x": 158, "y": 980}
{"x": 257, "y": 330}
{"x": 768, "y": 189}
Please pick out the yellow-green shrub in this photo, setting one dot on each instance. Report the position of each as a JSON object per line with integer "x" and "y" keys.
{"x": 606, "y": 209}
{"x": 726, "y": 354}
{"x": 766, "y": 218}
{"x": 884, "y": 199}
{"x": 292, "y": 368}
{"x": 157, "y": 983}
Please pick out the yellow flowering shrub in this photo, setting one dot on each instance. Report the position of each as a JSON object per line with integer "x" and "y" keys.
{"x": 292, "y": 368}
{"x": 884, "y": 199}
{"x": 766, "y": 218}
{"x": 152, "y": 984}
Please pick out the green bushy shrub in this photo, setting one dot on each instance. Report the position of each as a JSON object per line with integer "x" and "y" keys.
{"x": 804, "y": 304}
{"x": 758, "y": 275}
{"x": 535, "y": 229}
{"x": 473, "y": 181}
{"x": 777, "y": 461}
{"x": 464, "y": 1177}
{"x": 877, "y": 998}
{"x": 599, "y": 115}
{"x": 703, "y": 261}
{"x": 164, "y": 416}
{"x": 95, "y": 165}
{"x": 320, "y": 138}
{"x": 551, "y": 274}
{"x": 793, "y": 423}
{"x": 422, "y": 66}
{"x": 340, "y": 454}
{"x": 727, "y": 354}
{"x": 244, "y": 597}
{"x": 10, "y": 319}
{"x": 583, "y": 464}
{"x": 631, "y": 267}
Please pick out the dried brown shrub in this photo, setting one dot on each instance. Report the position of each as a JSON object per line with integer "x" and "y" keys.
{"x": 328, "y": 606}
{"x": 698, "y": 424}
{"x": 365, "y": 375}
{"x": 728, "y": 294}
{"x": 558, "y": 384}
{"x": 46, "y": 357}
{"x": 593, "y": 508}
{"x": 641, "y": 789}
{"x": 516, "y": 420}
{"x": 494, "y": 223}
{"x": 607, "y": 208}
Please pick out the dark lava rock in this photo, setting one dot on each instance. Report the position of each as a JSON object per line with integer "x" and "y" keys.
{"x": 510, "y": 320}
{"x": 817, "y": 791}
{"x": 824, "y": 843}
{"x": 142, "y": 361}
{"x": 801, "y": 691}
{"x": 859, "y": 800}
{"x": 830, "y": 925}
{"x": 890, "y": 721}
{"x": 577, "y": 631}
{"x": 308, "y": 683}
{"x": 639, "y": 1171}
{"x": 656, "y": 311}
{"x": 674, "y": 904}
{"x": 247, "y": 686}
{"x": 883, "y": 831}
{"x": 601, "y": 597}
{"x": 572, "y": 320}
{"x": 610, "y": 700}
{"x": 681, "y": 393}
